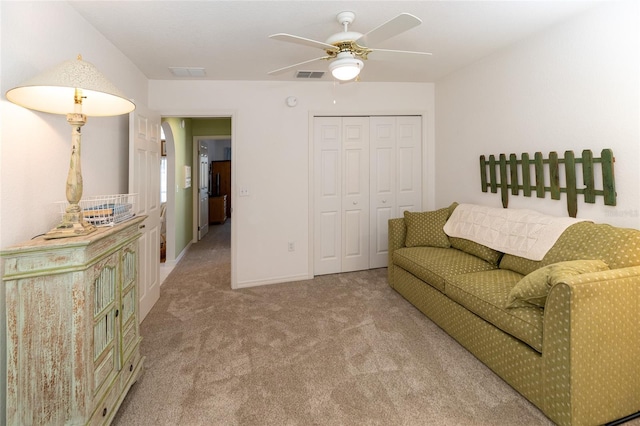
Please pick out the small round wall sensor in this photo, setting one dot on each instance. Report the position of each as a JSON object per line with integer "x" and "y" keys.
{"x": 292, "y": 101}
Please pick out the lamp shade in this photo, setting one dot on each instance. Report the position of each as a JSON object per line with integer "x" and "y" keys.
{"x": 345, "y": 67}
{"x": 53, "y": 91}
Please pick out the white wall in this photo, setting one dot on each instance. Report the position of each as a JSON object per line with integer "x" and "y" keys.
{"x": 271, "y": 156}
{"x": 575, "y": 86}
{"x": 35, "y": 147}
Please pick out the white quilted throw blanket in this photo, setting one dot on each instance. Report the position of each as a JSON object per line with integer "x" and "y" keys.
{"x": 520, "y": 232}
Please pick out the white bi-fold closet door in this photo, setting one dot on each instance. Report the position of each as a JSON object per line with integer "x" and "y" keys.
{"x": 367, "y": 170}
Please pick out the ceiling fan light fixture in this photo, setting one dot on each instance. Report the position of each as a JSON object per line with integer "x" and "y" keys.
{"x": 346, "y": 68}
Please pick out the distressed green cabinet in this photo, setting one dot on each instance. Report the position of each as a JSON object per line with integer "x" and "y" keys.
{"x": 73, "y": 342}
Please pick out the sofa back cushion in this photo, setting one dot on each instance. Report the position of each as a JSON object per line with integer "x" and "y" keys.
{"x": 424, "y": 229}
{"x": 617, "y": 247}
{"x": 483, "y": 252}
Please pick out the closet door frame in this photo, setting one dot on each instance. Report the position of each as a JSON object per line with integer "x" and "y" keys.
{"x": 427, "y": 165}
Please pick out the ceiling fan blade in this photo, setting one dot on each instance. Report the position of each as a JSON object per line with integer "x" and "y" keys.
{"x": 301, "y": 40}
{"x": 385, "y": 54}
{"x": 391, "y": 28}
{"x": 280, "y": 70}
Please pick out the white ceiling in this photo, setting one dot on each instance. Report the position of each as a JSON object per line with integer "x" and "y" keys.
{"x": 230, "y": 38}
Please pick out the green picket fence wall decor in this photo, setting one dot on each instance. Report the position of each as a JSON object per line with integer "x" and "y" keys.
{"x": 505, "y": 173}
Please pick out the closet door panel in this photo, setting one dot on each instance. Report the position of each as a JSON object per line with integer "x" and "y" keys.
{"x": 408, "y": 183}
{"x": 355, "y": 200}
{"x": 330, "y": 224}
{"x": 382, "y": 202}
{"x": 383, "y": 183}
{"x": 408, "y": 165}
{"x": 354, "y": 182}
{"x": 395, "y": 176}
{"x": 328, "y": 194}
{"x": 352, "y": 238}
{"x": 381, "y": 237}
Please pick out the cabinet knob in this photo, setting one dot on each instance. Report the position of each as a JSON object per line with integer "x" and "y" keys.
{"x": 117, "y": 312}
{"x": 142, "y": 226}
{"x": 355, "y": 202}
{"x": 384, "y": 201}
{"x": 104, "y": 412}
{"x": 131, "y": 367}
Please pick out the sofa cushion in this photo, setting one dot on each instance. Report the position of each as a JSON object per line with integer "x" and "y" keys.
{"x": 433, "y": 264}
{"x": 534, "y": 288}
{"x": 483, "y": 252}
{"x": 424, "y": 229}
{"x": 617, "y": 247}
{"x": 485, "y": 293}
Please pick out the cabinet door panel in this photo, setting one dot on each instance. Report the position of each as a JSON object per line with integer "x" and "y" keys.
{"x": 105, "y": 282}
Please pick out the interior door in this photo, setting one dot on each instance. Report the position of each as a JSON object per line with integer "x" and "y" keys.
{"x": 341, "y": 188}
{"x": 396, "y": 177}
{"x": 144, "y": 180}
{"x": 383, "y": 183}
{"x": 408, "y": 164}
{"x": 327, "y": 189}
{"x": 355, "y": 193}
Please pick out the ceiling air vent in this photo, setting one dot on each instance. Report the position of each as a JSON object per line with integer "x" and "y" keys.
{"x": 309, "y": 74}
{"x": 188, "y": 71}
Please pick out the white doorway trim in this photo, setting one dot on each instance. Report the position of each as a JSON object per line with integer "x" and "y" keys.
{"x": 196, "y": 145}
{"x": 233, "y": 115}
{"x": 170, "y": 214}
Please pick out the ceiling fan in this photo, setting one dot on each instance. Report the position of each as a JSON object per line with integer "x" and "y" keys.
{"x": 348, "y": 49}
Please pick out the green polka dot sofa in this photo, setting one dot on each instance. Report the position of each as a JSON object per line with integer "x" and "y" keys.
{"x": 572, "y": 348}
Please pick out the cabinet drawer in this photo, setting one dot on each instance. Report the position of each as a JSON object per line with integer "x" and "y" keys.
{"x": 131, "y": 367}
{"x": 107, "y": 407}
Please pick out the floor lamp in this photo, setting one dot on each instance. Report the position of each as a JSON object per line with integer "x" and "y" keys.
{"x": 76, "y": 89}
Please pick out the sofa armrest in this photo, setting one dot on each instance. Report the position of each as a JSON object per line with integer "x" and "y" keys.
{"x": 397, "y": 236}
{"x": 591, "y": 347}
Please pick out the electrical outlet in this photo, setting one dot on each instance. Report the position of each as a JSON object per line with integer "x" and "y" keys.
{"x": 292, "y": 246}
{"x": 244, "y": 192}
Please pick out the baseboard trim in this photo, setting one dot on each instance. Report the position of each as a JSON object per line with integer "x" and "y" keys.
{"x": 168, "y": 265}
{"x": 279, "y": 280}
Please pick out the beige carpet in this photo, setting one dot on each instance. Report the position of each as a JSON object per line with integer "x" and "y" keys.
{"x": 337, "y": 350}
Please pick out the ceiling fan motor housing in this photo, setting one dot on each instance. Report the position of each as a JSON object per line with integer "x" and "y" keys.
{"x": 343, "y": 36}
{"x": 344, "y": 19}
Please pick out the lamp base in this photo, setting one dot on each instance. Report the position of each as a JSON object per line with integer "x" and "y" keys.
{"x": 72, "y": 225}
